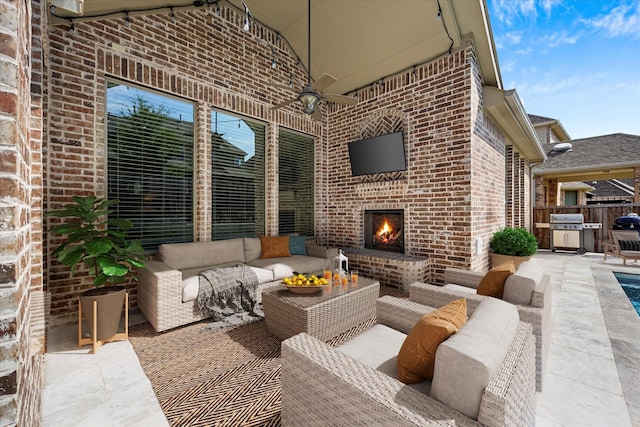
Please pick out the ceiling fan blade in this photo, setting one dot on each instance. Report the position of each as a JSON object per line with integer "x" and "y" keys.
{"x": 283, "y": 104}
{"x": 281, "y": 86}
{"x": 317, "y": 114}
{"x": 341, "y": 99}
{"x": 324, "y": 81}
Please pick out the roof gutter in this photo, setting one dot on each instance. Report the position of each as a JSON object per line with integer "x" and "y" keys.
{"x": 508, "y": 112}
{"x": 597, "y": 168}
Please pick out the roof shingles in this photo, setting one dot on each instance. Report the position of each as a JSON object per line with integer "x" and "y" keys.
{"x": 606, "y": 150}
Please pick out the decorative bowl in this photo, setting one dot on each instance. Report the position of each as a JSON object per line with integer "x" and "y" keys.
{"x": 304, "y": 290}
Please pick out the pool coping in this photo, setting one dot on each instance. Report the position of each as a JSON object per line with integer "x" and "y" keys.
{"x": 623, "y": 328}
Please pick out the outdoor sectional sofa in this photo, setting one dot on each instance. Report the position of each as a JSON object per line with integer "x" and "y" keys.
{"x": 483, "y": 375}
{"x": 529, "y": 289}
{"x": 168, "y": 285}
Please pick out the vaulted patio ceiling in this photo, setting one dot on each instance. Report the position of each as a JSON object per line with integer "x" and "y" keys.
{"x": 358, "y": 42}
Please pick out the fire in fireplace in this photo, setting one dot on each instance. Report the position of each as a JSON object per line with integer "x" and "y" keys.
{"x": 384, "y": 230}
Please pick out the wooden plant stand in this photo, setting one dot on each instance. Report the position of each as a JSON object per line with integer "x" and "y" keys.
{"x": 122, "y": 336}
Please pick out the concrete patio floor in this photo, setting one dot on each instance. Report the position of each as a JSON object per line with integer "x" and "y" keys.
{"x": 592, "y": 376}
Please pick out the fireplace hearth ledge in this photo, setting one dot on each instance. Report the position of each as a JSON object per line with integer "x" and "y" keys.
{"x": 391, "y": 269}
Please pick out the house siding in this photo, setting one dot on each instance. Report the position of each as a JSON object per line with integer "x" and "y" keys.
{"x": 21, "y": 346}
{"x": 453, "y": 192}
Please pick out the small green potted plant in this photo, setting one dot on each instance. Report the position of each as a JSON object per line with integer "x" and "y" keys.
{"x": 515, "y": 244}
{"x": 100, "y": 244}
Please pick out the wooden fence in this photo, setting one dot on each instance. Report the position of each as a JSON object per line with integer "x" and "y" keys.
{"x": 603, "y": 214}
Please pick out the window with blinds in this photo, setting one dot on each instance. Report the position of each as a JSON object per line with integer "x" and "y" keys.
{"x": 237, "y": 177}
{"x": 150, "y": 163}
{"x": 296, "y": 168}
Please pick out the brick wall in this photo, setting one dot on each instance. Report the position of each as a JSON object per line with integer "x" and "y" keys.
{"x": 453, "y": 193}
{"x": 203, "y": 58}
{"x": 20, "y": 265}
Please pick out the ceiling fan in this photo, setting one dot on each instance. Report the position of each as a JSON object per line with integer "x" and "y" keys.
{"x": 311, "y": 94}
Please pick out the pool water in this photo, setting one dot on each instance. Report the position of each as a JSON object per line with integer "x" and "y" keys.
{"x": 631, "y": 285}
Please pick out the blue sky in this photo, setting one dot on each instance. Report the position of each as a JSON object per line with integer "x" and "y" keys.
{"x": 577, "y": 61}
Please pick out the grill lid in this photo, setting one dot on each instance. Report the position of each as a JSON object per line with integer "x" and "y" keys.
{"x": 566, "y": 218}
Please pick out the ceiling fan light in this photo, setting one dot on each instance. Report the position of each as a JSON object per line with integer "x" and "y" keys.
{"x": 309, "y": 102}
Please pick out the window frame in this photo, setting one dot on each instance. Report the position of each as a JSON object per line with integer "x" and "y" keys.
{"x": 111, "y": 80}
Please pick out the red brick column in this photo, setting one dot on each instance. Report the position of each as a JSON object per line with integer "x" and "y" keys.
{"x": 20, "y": 230}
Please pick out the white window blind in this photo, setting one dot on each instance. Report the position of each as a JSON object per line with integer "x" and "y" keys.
{"x": 150, "y": 163}
{"x": 238, "y": 177}
{"x": 296, "y": 183}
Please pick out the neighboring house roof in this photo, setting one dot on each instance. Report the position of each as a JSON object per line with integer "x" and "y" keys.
{"x": 615, "y": 151}
{"x": 614, "y": 189}
{"x": 555, "y": 125}
{"x": 576, "y": 185}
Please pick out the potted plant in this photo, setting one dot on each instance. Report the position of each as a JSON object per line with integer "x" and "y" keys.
{"x": 100, "y": 244}
{"x": 515, "y": 244}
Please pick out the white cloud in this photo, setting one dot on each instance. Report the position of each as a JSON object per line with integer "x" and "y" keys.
{"x": 621, "y": 21}
{"x": 508, "y": 66}
{"x": 557, "y": 39}
{"x": 513, "y": 37}
{"x": 547, "y": 5}
{"x": 525, "y": 51}
{"x": 506, "y": 10}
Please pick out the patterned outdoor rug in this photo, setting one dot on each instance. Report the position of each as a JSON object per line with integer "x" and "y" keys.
{"x": 205, "y": 377}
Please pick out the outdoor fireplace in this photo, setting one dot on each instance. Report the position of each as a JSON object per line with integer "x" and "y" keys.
{"x": 384, "y": 230}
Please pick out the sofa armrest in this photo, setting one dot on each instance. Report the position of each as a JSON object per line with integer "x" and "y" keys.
{"x": 458, "y": 276}
{"x": 541, "y": 296}
{"x": 318, "y": 251}
{"x": 510, "y": 397}
{"x": 400, "y": 313}
{"x": 322, "y": 386}
{"x": 159, "y": 288}
{"x": 437, "y": 296}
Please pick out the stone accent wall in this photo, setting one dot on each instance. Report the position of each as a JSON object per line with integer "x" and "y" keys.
{"x": 20, "y": 177}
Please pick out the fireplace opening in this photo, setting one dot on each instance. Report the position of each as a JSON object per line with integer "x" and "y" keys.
{"x": 384, "y": 230}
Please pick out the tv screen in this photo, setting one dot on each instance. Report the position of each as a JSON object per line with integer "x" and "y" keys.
{"x": 376, "y": 155}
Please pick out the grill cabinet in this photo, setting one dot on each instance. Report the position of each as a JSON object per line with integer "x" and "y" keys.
{"x": 567, "y": 232}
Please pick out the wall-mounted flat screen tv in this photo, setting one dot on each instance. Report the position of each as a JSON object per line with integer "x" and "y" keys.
{"x": 377, "y": 155}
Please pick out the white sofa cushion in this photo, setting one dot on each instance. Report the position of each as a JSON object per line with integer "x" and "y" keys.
{"x": 191, "y": 279}
{"x": 519, "y": 287}
{"x": 378, "y": 347}
{"x": 284, "y": 267}
{"x": 466, "y": 362}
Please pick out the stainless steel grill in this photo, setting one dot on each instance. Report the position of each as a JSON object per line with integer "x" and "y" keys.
{"x": 566, "y": 221}
{"x": 566, "y": 232}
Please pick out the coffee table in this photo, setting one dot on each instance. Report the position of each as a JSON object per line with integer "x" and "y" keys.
{"x": 321, "y": 315}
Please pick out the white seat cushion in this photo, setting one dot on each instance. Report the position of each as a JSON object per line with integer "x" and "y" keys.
{"x": 191, "y": 280}
{"x": 378, "y": 347}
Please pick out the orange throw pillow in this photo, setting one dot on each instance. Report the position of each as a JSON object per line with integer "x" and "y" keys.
{"x": 492, "y": 284}
{"x": 274, "y": 246}
{"x": 418, "y": 353}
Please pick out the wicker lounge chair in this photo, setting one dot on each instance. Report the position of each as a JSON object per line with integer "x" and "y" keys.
{"x": 322, "y": 385}
{"x": 463, "y": 283}
{"x": 623, "y": 244}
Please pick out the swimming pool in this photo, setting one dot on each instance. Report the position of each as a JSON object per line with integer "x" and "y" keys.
{"x": 631, "y": 285}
